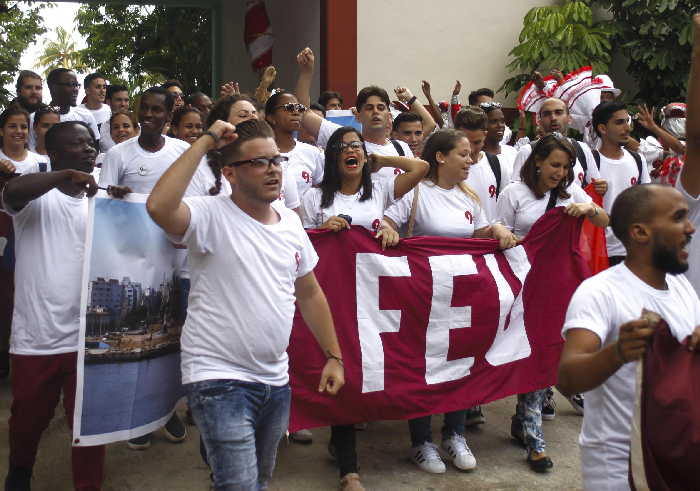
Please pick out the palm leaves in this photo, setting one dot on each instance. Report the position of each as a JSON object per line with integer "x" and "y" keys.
{"x": 60, "y": 52}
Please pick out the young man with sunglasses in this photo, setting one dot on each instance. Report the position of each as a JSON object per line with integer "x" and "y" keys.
{"x": 234, "y": 361}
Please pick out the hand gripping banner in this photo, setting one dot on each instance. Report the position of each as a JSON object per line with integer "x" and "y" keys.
{"x": 436, "y": 324}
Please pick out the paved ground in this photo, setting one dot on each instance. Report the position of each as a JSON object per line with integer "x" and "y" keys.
{"x": 382, "y": 450}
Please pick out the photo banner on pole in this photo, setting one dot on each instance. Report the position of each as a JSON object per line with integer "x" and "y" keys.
{"x": 436, "y": 324}
{"x": 128, "y": 379}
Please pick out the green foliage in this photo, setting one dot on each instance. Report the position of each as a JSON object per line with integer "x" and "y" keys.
{"x": 656, "y": 36}
{"x": 560, "y": 37}
{"x": 18, "y": 29}
{"x": 143, "y": 46}
{"x": 60, "y": 53}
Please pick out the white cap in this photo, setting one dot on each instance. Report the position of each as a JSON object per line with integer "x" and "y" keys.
{"x": 607, "y": 85}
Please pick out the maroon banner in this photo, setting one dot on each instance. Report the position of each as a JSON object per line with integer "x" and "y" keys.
{"x": 436, "y": 324}
{"x": 665, "y": 441}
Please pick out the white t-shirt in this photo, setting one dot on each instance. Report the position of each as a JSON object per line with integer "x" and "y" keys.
{"x": 693, "y": 273}
{"x": 483, "y": 181}
{"x": 30, "y": 164}
{"x": 106, "y": 141}
{"x": 590, "y": 174}
{"x": 101, "y": 115}
{"x": 600, "y": 306}
{"x": 240, "y": 269}
{"x": 368, "y": 213}
{"x": 81, "y": 114}
{"x": 204, "y": 179}
{"x": 507, "y": 157}
{"x": 128, "y": 164}
{"x": 441, "y": 212}
{"x": 519, "y": 208}
{"x": 289, "y": 195}
{"x": 388, "y": 149}
{"x": 620, "y": 174}
{"x": 305, "y": 166}
{"x": 49, "y": 246}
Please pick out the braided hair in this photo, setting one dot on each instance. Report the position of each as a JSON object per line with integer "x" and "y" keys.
{"x": 220, "y": 111}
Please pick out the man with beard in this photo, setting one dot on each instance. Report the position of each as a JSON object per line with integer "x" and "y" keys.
{"x": 689, "y": 182}
{"x": 29, "y": 91}
{"x": 553, "y": 117}
{"x": 49, "y": 212}
{"x": 612, "y": 316}
{"x": 617, "y": 166}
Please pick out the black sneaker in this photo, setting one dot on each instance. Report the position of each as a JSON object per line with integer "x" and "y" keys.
{"x": 175, "y": 430}
{"x": 140, "y": 443}
{"x": 576, "y": 401}
{"x": 18, "y": 479}
{"x": 516, "y": 430}
{"x": 474, "y": 416}
{"x": 541, "y": 464}
{"x": 549, "y": 407}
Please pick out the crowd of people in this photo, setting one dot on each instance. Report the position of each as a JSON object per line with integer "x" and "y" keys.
{"x": 238, "y": 179}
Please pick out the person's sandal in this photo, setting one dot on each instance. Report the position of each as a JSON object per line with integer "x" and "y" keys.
{"x": 351, "y": 482}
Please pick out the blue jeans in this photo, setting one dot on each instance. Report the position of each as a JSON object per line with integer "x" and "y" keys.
{"x": 421, "y": 431}
{"x": 241, "y": 424}
{"x": 529, "y": 412}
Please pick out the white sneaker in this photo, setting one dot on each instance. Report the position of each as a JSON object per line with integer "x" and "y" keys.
{"x": 458, "y": 450}
{"x": 428, "y": 458}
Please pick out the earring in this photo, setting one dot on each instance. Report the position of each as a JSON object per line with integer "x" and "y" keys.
{"x": 538, "y": 171}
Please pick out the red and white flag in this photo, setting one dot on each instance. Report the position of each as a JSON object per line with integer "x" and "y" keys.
{"x": 258, "y": 35}
{"x": 436, "y": 324}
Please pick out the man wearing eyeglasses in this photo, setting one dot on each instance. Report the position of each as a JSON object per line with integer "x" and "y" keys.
{"x": 64, "y": 87}
{"x": 250, "y": 263}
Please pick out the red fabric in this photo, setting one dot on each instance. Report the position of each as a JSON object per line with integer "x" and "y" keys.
{"x": 257, "y": 29}
{"x": 670, "y": 415}
{"x": 37, "y": 382}
{"x": 557, "y": 266}
{"x": 593, "y": 246}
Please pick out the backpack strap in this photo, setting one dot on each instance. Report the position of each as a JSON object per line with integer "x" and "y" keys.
{"x": 398, "y": 147}
{"x": 596, "y": 156}
{"x": 412, "y": 215}
{"x": 552, "y": 199}
{"x": 495, "y": 165}
{"x": 581, "y": 156}
{"x": 638, "y": 159}
{"x": 43, "y": 167}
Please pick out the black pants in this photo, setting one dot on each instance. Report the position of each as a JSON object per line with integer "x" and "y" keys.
{"x": 343, "y": 441}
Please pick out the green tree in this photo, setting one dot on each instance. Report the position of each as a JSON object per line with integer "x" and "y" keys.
{"x": 563, "y": 37}
{"x": 60, "y": 52}
{"x": 142, "y": 46}
{"x": 656, "y": 36}
{"x": 18, "y": 29}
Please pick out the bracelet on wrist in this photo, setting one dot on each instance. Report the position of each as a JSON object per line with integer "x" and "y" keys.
{"x": 411, "y": 101}
{"x": 213, "y": 136}
{"x": 331, "y": 356}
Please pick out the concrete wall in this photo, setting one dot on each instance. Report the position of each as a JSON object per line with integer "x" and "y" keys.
{"x": 295, "y": 25}
{"x": 401, "y": 42}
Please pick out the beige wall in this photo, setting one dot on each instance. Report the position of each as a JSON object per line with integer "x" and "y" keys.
{"x": 401, "y": 42}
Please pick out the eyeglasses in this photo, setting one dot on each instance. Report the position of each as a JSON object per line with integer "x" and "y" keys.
{"x": 260, "y": 162}
{"x": 74, "y": 85}
{"x": 356, "y": 145}
{"x": 490, "y": 105}
{"x": 291, "y": 107}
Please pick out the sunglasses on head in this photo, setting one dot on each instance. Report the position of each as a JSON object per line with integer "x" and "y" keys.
{"x": 291, "y": 107}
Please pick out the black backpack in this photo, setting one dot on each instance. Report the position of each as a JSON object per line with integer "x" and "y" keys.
{"x": 637, "y": 159}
